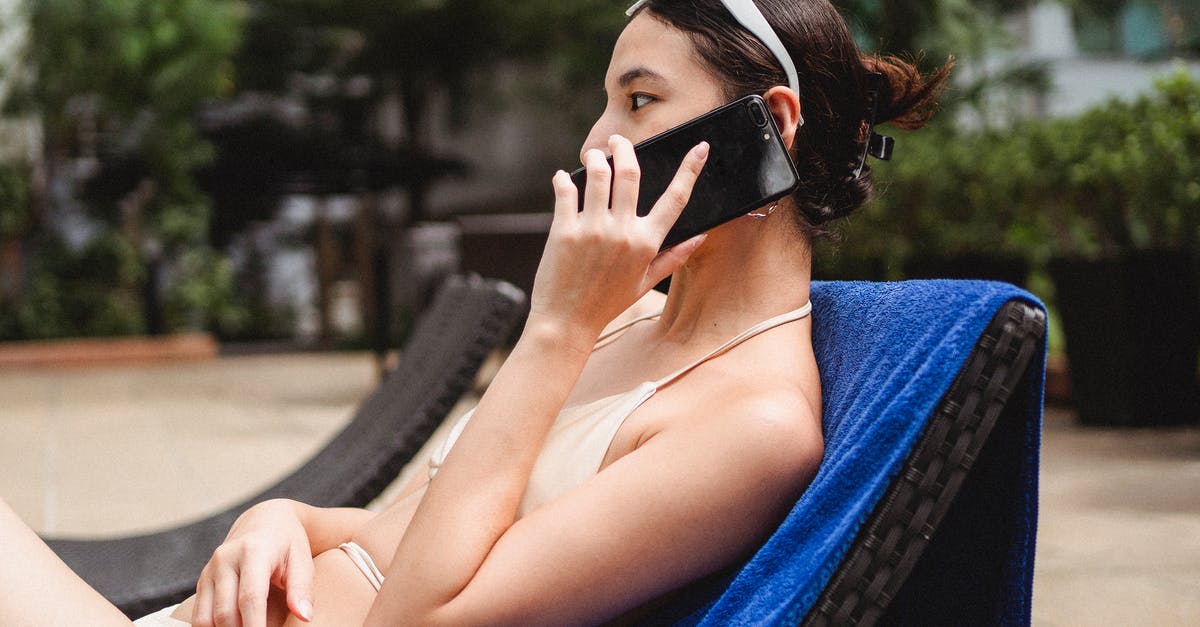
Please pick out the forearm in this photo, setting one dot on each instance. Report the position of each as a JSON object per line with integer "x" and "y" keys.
{"x": 504, "y": 436}
{"x": 475, "y": 496}
{"x": 597, "y": 262}
{"x": 327, "y": 527}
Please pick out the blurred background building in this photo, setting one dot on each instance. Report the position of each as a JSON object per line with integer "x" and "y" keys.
{"x": 1114, "y": 50}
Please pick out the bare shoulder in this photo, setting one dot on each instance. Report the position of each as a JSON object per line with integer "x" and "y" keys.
{"x": 773, "y": 430}
{"x": 756, "y": 434}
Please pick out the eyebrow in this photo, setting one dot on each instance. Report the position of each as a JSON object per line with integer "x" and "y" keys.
{"x": 639, "y": 72}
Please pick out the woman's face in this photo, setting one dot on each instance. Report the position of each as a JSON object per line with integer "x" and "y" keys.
{"x": 653, "y": 83}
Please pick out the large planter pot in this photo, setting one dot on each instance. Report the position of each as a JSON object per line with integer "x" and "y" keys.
{"x": 1132, "y": 330}
{"x": 968, "y": 266}
{"x": 505, "y": 246}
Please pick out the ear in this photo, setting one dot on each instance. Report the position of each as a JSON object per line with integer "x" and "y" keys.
{"x": 785, "y": 108}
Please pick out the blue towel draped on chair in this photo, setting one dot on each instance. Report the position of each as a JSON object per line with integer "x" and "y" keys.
{"x": 888, "y": 352}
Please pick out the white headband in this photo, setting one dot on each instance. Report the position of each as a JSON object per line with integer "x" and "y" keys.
{"x": 748, "y": 15}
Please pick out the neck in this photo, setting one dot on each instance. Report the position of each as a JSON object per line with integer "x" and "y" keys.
{"x": 745, "y": 272}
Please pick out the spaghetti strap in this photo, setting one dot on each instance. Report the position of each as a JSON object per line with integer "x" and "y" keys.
{"x": 765, "y": 325}
{"x": 796, "y": 314}
{"x": 607, "y": 338}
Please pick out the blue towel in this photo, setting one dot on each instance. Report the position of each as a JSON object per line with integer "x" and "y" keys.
{"x": 888, "y": 352}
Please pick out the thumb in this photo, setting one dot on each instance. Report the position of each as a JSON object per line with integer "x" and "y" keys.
{"x": 672, "y": 259}
{"x": 298, "y": 581}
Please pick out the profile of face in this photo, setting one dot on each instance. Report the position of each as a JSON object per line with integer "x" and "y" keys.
{"x": 653, "y": 83}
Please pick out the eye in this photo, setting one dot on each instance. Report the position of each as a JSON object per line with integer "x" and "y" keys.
{"x": 637, "y": 101}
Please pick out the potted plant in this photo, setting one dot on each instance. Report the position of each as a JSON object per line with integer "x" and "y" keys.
{"x": 1117, "y": 189}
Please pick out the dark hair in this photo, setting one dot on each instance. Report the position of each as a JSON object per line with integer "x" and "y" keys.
{"x": 833, "y": 90}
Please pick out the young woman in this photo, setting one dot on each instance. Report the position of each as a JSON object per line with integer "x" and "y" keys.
{"x": 632, "y": 442}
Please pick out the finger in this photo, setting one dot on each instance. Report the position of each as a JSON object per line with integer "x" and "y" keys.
{"x": 225, "y": 599}
{"x": 672, "y": 259}
{"x": 202, "y": 613}
{"x": 254, "y": 585}
{"x": 668, "y": 207}
{"x": 627, "y": 175}
{"x": 599, "y": 183}
{"x": 298, "y": 583}
{"x": 566, "y": 196}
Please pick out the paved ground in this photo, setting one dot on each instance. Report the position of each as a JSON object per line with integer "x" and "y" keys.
{"x": 107, "y": 450}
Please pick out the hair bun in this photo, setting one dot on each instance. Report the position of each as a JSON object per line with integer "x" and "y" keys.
{"x": 906, "y": 98}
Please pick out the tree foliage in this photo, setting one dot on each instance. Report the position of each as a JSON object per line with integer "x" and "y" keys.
{"x": 119, "y": 81}
{"x": 14, "y": 200}
{"x": 115, "y": 85}
{"x": 343, "y": 58}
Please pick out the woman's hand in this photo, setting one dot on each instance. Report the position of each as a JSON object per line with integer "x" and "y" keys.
{"x": 266, "y": 546}
{"x": 600, "y": 260}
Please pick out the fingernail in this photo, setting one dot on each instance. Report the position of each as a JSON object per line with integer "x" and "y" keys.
{"x": 701, "y": 150}
{"x": 304, "y": 608}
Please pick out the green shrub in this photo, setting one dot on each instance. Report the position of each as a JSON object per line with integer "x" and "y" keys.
{"x": 1132, "y": 173}
{"x": 949, "y": 192}
{"x": 1123, "y": 175}
{"x": 203, "y": 295}
{"x": 93, "y": 291}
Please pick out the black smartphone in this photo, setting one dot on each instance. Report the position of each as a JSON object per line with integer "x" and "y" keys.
{"x": 748, "y": 166}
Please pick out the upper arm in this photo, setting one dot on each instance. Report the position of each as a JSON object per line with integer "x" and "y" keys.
{"x": 686, "y": 503}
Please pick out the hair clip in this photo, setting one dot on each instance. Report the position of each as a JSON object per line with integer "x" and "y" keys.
{"x": 876, "y": 145}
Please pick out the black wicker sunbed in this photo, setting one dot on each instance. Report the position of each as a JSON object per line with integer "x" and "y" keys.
{"x": 950, "y": 540}
{"x": 468, "y": 318}
{"x": 948, "y": 466}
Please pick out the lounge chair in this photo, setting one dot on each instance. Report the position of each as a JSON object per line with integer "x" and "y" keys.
{"x": 468, "y": 318}
{"x": 916, "y": 376}
{"x": 910, "y": 520}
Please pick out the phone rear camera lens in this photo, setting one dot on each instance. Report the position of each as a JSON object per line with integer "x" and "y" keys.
{"x": 757, "y": 114}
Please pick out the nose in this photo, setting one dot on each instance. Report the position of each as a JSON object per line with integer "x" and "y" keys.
{"x": 598, "y": 136}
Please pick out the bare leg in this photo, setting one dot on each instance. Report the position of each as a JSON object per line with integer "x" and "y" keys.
{"x": 37, "y": 588}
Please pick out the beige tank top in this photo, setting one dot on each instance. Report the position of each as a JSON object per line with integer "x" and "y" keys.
{"x": 582, "y": 434}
